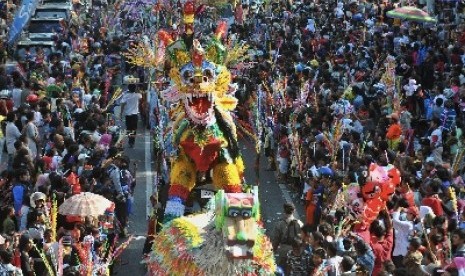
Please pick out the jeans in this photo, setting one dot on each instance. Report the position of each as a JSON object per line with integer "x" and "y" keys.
{"x": 22, "y": 219}
{"x": 10, "y": 161}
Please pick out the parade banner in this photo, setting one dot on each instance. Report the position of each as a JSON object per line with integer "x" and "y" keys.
{"x": 21, "y": 19}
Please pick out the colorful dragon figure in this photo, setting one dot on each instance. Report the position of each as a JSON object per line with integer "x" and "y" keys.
{"x": 203, "y": 130}
{"x": 226, "y": 240}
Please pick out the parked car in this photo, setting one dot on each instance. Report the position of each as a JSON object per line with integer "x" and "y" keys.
{"x": 26, "y": 49}
{"x": 60, "y": 2}
{"x": 52, "y": 10}
{"x": 13, "y": 66}
{"x": 44, "y": 29}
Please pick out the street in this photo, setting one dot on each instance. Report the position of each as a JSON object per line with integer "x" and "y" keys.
{"x": 272, "y": 197}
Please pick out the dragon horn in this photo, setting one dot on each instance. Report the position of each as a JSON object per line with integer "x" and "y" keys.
{"x": 165, "y": 37}
{"x": 221, "y": 30}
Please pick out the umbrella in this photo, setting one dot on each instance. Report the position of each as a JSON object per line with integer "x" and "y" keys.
{"x": 84, "y": 204}
{"x": 412, "y": 14}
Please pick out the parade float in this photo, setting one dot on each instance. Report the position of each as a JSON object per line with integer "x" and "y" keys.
{"x": 227, "y": 237}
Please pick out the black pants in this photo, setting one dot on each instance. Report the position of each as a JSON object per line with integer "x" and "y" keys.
{"x": 398, "y": 261}
{"x": 131, "y": 127}
{"x": 121, "y": 213}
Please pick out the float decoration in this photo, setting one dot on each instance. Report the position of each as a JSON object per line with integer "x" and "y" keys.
{"x": 366, "y": 201}
{"x": 203, "y": 130}
{"x": 228, "y": 238}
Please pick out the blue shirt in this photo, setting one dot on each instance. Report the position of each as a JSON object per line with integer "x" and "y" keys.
{"x": 367, "y": 260}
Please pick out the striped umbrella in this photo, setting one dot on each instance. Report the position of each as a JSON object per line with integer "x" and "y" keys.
{"x": 84, "y": 204}
{"x": 411, "y": 14}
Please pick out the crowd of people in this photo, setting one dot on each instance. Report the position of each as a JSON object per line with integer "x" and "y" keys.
{"x": 339, "y": 88}
{"x": 330, "y": 88}
{"x": 62, "y": 137}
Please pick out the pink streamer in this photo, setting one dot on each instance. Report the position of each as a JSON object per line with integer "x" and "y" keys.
{"x": 60, "y": 257}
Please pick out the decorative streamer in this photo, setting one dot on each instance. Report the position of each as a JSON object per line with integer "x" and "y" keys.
{"x": 453, "y": 198}
{"x": 53, "y": 217}
{"x": 45, "y": 260}
{"x": 60, "y": 257}
{"x": 116, "y": 95}
{"x": 119, "y": 250}
{"x": 458, "y": 160}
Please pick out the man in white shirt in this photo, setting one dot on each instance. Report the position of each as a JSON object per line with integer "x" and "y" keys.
{"x": 403, "y": 230}
{"x": 16, "y": 93}
{"x": 436, "y": 140}
{"x": 12, "y": 134}
{"x": 130, "y": 108}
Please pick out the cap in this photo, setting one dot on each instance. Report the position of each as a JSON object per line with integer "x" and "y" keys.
{"x": 413, "y": 210}
{"x": 32, "y": 98}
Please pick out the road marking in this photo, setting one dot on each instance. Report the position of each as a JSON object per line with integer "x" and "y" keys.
{"x": 148, "y": 173}
{"x": 287, "y": 198}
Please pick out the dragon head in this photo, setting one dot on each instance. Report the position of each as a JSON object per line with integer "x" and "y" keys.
{"x": 200, "y": 81}
{"x": 237, "y": 216}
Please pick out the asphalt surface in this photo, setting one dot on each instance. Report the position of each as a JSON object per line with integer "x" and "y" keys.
{"x": 129, "y": 262}
{"x": 272, "y": 194}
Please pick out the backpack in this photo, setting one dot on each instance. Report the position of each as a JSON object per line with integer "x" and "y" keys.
{"x": 292, "y": 231}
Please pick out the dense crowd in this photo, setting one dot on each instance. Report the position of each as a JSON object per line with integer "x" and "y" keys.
{"x": 62, "y": 137}
{"x": 330, "y": 88}
{"x": 339, "y": 87}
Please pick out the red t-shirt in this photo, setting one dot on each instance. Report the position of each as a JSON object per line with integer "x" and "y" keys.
{"x": 435, "y": 203}
{"x": 47, "y": 161}
{"x": 382, "y": 251}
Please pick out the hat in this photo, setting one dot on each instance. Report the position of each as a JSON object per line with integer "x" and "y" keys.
{"x": 325, "y": 171}
{"x": 32, "y": 98}
{"x": 413, "y": 210}
{"x": 35, "y": 197}
{"x": 393, "y": 116}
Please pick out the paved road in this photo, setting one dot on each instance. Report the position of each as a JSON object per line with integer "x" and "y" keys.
{"x": 272, "y": 196}
{"x": 129, "y": 264}
{"x": 272, "y": 193}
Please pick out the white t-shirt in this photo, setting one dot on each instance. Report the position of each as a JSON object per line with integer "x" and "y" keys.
{"x": 132, "y": 103}
{"x": 403, "y": 230}
{"x": 16, "y": 96}
{"x": 12, "y": 133}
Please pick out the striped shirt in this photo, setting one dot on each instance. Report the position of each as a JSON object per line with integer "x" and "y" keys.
{"x": 448, "y": 118}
